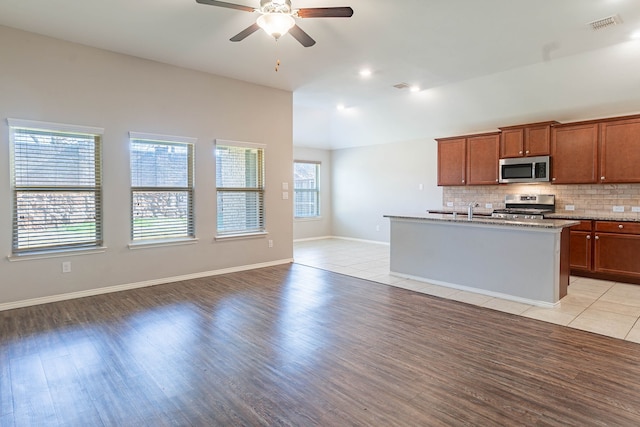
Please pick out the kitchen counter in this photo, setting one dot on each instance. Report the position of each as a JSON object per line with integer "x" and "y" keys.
{"x": 611, "y": 216}
{"x": 477, "y": 212}
{"x": 626, "y": 217}
{"x": 521, "y": 260}
{"x": 480, "y": 219}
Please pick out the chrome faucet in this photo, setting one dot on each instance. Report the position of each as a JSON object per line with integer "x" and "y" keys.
{"x": 470, "y": 210}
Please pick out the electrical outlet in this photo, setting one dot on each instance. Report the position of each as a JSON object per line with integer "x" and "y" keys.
{"x": 449, "y": 204}
{"x": 270, "y": 243}
{"x": 420, "y": 187}
{"x": 285, "y": 185}
{"x": 488, "y": 205}
{"x": 285, "y": 195}
{"x": 378, "y": 227}
{"x": 66, "y": 267}
{"x": 618, "y": 209}
{"x": 569, "y": 207}
{"x": 635, "y": 208}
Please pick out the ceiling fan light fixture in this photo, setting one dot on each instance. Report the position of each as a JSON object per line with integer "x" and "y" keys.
{"x": 276, "y": 24}
{"x": 275, "y": 6}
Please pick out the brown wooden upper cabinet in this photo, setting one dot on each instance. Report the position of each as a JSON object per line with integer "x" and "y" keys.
{"x": 526, "y": 140}
{"x": 469, "y": 160}
{"x": 483, "y": 154}
{"x": 574, "y": 153}
{"x": 620, "y": 150}
{"x": 452, "y": 161}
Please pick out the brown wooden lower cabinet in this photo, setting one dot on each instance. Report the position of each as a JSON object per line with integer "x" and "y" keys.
{"x": 617, "y": 254}
{"x": 580, "y": 252}
{"x": 608, "y": 250}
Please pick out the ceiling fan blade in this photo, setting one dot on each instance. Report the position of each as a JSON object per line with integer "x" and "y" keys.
{"x": 245, "y": 33}
{"x": 304, "y": 38}
{"x": 225, "y": 4}
{"x": 325, "y": 12}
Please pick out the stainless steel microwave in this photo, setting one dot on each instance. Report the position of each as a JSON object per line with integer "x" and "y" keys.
{"x": 525, "y": 169}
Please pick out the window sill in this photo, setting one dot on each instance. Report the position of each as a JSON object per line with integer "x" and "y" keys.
{"x": 307, "y": 218}
{"x": 161, "y": 243}
{"x": 57, "y": 254}
{"x": 241, "y": 235}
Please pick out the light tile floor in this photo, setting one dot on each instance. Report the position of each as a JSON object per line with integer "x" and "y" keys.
{"x": 599, "y": 306}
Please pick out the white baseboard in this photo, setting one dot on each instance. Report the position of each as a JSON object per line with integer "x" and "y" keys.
{"x": 500, "y": 295}
{"x": 309, "y": 239}
{"x": 128, "y": 286}
{"x": 377, "y": 242}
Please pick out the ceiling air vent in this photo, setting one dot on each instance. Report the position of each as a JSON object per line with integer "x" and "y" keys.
{"x": 609, "y": 21}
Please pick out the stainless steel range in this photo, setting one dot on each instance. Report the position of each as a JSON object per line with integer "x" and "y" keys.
{"x": 526, "y": 206}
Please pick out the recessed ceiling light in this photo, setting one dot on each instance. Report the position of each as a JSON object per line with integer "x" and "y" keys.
{"x": 414, "y": 88}
{"x": 365, "y": 72}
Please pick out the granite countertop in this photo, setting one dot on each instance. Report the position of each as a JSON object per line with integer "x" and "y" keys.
{"x": 476, "y": 212}
{"x": 487, "y": 220}
{"x": 627, "y": 217}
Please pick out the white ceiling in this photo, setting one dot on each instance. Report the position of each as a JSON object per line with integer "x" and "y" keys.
{"x": 481, "y": 63}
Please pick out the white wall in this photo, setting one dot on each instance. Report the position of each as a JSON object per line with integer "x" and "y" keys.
{"x": 316, "y": 227}
{"x": 369, "y": 182}
{"x": 595, "y": 84}
{"x": 50, "y": 80}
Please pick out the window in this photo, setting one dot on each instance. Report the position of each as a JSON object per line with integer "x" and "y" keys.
{"x": 306, "y": 187}
{"x": 161, "y": 187}
{"x": 56, "y": 185}
{"x": 240, "y": 187}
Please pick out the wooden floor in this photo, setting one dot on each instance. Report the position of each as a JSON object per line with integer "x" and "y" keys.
{"x": 294, "y": 345}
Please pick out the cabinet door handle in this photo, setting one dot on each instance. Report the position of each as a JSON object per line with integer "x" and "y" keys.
{"x": 602, "y": 178}
{"x": 463, "y": 181}
{"x": 519, "y": 152}
{"x": 597, "y": 237}
{"x": 621, "y": 226}
{"x": 553, "y": 179}
{"x": 588, "y": 237}
{"x": 527, "y": 151}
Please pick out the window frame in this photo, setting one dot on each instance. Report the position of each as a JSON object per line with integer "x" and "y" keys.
{"x": 260, "y": 189}
{"x": 51, "y": 129}
{"x": 167, "y": 140}
{"x": 315, "y": 190}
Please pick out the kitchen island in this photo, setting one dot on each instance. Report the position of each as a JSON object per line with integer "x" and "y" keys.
{"x": 521, "y": 260}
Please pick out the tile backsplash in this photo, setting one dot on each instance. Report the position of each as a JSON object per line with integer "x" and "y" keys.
{"x": 587, "y": 199}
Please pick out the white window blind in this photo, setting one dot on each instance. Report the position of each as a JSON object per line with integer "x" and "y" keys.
{"x": 161, "y": 189}
{"x": 56, "y": 180}
{"x": 306, "y": 187}
{"x": 240, "y": 188}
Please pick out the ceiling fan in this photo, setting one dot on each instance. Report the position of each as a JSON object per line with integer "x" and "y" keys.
{"x": 277, "y": 18}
